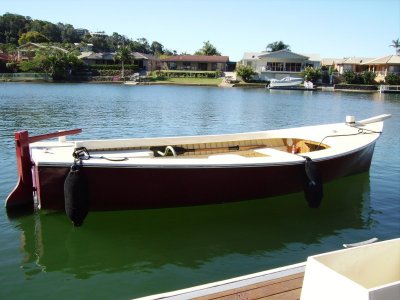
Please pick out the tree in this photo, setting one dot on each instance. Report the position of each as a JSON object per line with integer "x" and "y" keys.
{"x": 157, "y": 48}
{"x": 311, "y": 74}
{"x": 100, "y": 43}
{"x": 123, "y": 55}
{"x": 140, "y": 45}
{"x": 12, "y": 26}
{"x": 208, "y": 49}
{"x": 48, "y": 29}
{"x": 32, "y": 36}
{"x": 396, "y": 45}
{"x": 169, "y": 52}
{"x": 116, "y": 39}
{"x": 245, "y": 72}
{"x": 68, "y": 33}
{"x": 276, "y": 46}
{"x": 56, "y": 63}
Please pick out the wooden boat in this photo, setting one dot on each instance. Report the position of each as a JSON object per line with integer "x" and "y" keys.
{"x": 144, "y": 173}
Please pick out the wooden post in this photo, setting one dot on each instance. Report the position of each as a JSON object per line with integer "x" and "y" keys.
{"x": 22, "y": 194}
{"x": 23, "y": 191}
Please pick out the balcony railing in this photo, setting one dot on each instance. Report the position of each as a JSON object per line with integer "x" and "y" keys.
{"x": 277, "y": 70}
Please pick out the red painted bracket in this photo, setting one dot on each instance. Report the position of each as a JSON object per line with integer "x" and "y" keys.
{"x": 22, "y": 194}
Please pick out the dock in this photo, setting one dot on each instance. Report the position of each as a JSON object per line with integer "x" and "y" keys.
{"x": 280, "y": 283}
{"x": 291, "y": 88}
{"x": 331, "y": 276}
{"x": 391, "y": 89}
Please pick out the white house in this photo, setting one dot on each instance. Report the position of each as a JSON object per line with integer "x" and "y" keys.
{"x": 279, "y": 64}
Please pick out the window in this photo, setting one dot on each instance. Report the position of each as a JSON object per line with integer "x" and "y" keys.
{"x": 172, "y": 65}
{"x": 275, "y": 67}
{"x": 293, "y": 67}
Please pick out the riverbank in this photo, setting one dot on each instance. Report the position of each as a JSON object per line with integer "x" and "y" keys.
{"x": 208, "y": 82}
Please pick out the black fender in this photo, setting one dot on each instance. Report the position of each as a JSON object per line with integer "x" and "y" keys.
{"x": 76, "y": 195}
{"x": 313, "y": 185}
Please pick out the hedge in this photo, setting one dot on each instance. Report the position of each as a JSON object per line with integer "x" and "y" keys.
{"x": 112, "y": 67}
{"x": 193, "y": 74}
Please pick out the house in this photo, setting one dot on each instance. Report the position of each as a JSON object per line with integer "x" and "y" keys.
{"x": 383, "y": 66}
{"x": 6, "y": 58}
{"x": 279, "y": 64}
{"x": 28, "y": 50}
{"x": 195, "y": 62}
{"x": 146, "y": 62}
{"x": 92, "y": 58}
{"x": 355, "y": 64}
{"x": 83, "y": 47}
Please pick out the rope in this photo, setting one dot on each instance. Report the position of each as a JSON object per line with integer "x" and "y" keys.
{"x": 82, "y": 153}
{"x": 359, "y": 131}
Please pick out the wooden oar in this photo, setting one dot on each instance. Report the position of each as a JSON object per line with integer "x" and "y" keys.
{"x": 181, "y": 150}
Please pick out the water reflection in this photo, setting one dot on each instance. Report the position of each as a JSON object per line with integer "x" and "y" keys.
{"x": 148, "y": 240}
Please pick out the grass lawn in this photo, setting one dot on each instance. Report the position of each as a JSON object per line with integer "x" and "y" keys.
{"x": 193, "y": 81}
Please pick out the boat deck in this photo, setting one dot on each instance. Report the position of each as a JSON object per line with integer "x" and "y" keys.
{"x": 281, "y": 283}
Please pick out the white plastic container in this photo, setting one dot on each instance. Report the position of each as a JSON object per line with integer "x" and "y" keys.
{"x": 365, "y": 272}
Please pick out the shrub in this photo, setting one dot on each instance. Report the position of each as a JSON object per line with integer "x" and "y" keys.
{"x": 349, "y": 76}
{"x": 246, "y": 72}
{"x": 392, "y": 78}
{"x": 312, "y": 74}
{"x": 192, "y": 74}
{"x": 369, "y": 77}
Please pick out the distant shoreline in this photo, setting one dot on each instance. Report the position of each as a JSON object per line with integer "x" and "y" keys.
{"x": 340, "y": 88}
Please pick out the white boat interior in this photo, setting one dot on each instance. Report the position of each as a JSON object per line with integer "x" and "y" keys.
{"x": 265, "y": 147}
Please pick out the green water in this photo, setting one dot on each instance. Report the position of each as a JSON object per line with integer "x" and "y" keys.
{"x": 128, "y": 254}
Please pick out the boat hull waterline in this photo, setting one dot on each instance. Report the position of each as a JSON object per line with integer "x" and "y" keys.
{"x": 134, "y": 174}
{"x": 116, "y": 188}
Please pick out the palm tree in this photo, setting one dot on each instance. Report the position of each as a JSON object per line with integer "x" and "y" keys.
{"x": 396, "y": 45}
{"x": 123, "y": 55}
{"x": 276, "y": 46}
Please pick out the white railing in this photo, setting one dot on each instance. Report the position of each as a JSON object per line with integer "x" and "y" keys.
{"x": 281, "y": 70}
{"x": 389, "y": 88}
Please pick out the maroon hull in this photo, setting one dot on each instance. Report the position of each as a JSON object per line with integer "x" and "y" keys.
{"x": 138, "y": 188}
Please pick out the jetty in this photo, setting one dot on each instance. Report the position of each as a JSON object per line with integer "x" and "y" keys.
{"x": 292, "y": 88}
{"x": 280, "y": 283}
{"x": 392, "y": 89}
{"x": 330, "y": 276}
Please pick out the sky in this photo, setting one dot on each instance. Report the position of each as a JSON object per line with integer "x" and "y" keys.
{"x": 330, "y": 28}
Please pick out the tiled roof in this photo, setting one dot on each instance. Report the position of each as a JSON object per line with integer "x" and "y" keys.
{"x": 197, "y": 58}
{"x": 144, "y": 56}
{"x": 283, "y": 54}
{"x": 390, "y": 59}
{"x": 251, "y": 55}
{"x": 329, "y": 61}
{"x": 94, "y": 55}
{"x": 279, "y": 54}
{"x": 7, "y": 57}
{"x": 354, "y": 60}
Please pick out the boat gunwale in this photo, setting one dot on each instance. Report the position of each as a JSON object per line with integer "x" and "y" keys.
{"x": 330, "y": 151}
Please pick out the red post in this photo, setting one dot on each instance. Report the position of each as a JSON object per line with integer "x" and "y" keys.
{"x": 23, "y": 191}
